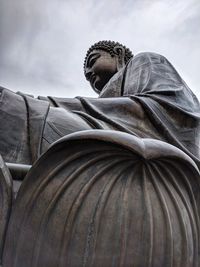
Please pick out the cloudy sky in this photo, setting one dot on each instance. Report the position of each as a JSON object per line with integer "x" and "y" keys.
{"x": 43, "y": 42}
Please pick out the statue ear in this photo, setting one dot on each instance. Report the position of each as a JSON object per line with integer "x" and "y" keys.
{"x": 120, "y": 52}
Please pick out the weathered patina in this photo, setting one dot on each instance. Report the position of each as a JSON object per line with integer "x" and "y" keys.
{"x": 115, "y": 180}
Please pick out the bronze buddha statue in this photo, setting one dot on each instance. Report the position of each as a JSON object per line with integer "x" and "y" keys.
{"x": 114, "y": 180}
{"x": 141, "y": 95}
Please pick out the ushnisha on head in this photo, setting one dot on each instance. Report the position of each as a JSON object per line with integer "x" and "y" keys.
{"x": 103, "y": 60}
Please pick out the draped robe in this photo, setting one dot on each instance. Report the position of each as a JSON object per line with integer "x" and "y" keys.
{"x": 147, "y": 99}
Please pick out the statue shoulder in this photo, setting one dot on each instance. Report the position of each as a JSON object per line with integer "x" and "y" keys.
{"x": 148, "y": 57}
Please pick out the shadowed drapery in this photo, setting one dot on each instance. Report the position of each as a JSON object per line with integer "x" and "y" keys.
{"x": 147, "y": 99}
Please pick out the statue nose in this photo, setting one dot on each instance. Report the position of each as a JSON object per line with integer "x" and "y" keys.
{"x": 88, "y": 74}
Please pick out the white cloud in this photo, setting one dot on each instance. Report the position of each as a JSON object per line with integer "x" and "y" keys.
{"x": 45, "y": 42}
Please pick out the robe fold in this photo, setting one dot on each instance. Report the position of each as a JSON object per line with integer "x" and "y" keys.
{"x": 147, "y": 99}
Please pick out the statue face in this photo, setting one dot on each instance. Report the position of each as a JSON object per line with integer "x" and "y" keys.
{"x": 100, "y": 67}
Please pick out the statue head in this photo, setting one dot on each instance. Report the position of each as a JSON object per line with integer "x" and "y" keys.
{"x": 103, "y": 60}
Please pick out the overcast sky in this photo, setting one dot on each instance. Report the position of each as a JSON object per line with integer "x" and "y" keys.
{"x": 43, "y": 42}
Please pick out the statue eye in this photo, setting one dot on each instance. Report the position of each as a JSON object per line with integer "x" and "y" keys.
{"x": 93, "y": 60}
